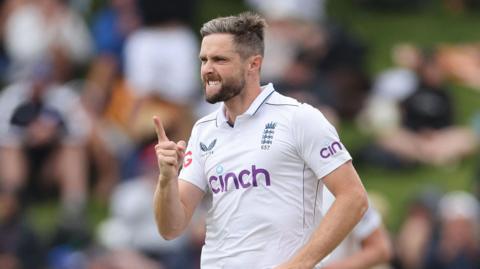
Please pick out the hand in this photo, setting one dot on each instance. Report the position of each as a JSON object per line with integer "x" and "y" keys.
{"x": 41, "y": 132}
{"x": 169, "y": 154}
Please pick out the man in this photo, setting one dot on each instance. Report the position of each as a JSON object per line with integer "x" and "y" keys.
{"x": 262, "y": 157}
{"x": 368, "y": 244}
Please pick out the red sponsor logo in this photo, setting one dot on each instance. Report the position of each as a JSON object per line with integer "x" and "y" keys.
{"x": 188, "y": 159}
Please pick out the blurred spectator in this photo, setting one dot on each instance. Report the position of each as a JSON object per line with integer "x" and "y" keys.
{"x": 418, "y": 228}
{"x": 458, "y": 242}
{"x": 426, "y": 132}
{"x": 393, "y": 5}
{"x": 5, "y": 7}
{"x": 123, "y": 259}
{"x": 311, "y": 58}
{"x": 20, "y": 247}
{"x": 43, "y": 131}
{"x": 461, "y": 6}
{"x": 36, "y": 29}
{"x": 367, "y": 246}
{"x": 461, "y": 63}
{"x": 309, "y": 10}
{"x": 132, "y": 223}
{"x": 162, "y": 68}
{"x": 111, "y": 27}
{"x": 103, "y": 94}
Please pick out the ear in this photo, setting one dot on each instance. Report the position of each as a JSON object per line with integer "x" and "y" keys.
{"x": 255, "y": 63}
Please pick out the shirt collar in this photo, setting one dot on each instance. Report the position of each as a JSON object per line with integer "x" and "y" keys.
{"x": 266, "y": 91}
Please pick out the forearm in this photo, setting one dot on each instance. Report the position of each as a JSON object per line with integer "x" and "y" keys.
{"x": 344, "y": 214}
{"x": 169, "y": 211}
{"x": 376, "y": 252}
{"x": 376, "y": 249}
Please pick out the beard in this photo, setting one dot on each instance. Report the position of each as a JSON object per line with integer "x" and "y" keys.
{"x": 229, "y": 89}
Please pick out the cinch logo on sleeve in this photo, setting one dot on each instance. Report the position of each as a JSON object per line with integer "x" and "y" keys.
{"x": 331, "y": 149}
{"x": 245, "y": 179}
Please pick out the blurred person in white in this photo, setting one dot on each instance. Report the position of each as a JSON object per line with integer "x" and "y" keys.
{"x": 458, "y": 242}
{"x": 38, "y": 28}
{"x": 131, "y": 224}
{"x": 292, "y": 25}
{"x": 161, "y": 67}
{"x": 367, "y": 246}
{"x": 43, "y": 131}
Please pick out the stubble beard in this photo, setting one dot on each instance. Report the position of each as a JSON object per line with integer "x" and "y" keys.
{"x": 228, "y": 90}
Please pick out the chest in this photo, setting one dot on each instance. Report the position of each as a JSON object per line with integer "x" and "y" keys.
{"x": 249, "y": 155}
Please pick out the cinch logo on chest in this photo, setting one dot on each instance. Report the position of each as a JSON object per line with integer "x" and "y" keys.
{"x": 245, "y": 179}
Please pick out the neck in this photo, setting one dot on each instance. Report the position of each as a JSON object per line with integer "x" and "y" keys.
{"x": 240, "y": 103}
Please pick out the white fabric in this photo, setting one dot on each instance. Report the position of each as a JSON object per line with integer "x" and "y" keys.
{"x": 271, "y": 160}
{"x": 163, "y": 62}
{"x": 395, "y": 84}
{"x": 352, "y": 243}
{"x": 309, "y": 10}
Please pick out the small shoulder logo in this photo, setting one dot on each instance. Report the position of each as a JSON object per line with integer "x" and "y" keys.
{"x": 207, "y": 150}
{"x": 267, "y": 135}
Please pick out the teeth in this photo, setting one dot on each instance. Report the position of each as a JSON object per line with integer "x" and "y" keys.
{"x": 211, "y": 83}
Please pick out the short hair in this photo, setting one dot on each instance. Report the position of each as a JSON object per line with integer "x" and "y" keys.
{"x": 247, "y": 29}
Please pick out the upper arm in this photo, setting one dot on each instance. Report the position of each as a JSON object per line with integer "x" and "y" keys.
{"x": 344, "y": 180}
{"x": 190, "y": 197}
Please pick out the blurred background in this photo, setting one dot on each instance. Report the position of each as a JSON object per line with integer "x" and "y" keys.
{"x": 81, "y": 79}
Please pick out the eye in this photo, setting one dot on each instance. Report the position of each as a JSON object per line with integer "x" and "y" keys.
{"x": 219, "y": 59}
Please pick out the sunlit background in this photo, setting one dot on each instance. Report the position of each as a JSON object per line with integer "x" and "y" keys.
{"x": 81, "y": 79}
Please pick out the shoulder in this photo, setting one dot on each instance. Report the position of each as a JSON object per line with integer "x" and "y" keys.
{"x": 281, "y": 100}
{"x": 210, "y": 120}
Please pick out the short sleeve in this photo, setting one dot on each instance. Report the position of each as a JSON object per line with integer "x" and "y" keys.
{"x": 317, "y": 141}
{"x": 192, "y": 169}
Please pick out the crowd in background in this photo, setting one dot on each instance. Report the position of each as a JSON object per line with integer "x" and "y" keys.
{"x": 76, "y": 112}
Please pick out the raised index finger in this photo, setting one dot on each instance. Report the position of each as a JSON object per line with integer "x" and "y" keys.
{"x": 159, "y": 129}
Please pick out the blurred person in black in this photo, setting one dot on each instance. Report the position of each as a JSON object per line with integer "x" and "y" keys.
{"x": 43, "y": 129}
{"x": 427, "y": 132}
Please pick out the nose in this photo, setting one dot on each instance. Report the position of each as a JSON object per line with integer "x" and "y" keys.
{"x": 206, "y": 68}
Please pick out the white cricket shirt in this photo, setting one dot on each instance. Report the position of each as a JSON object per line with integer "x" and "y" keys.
{"x": 264, "y": 178}
{"x": 370, "y": 221}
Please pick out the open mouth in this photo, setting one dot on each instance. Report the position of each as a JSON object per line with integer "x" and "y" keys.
{"x": 213, "y": 82}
